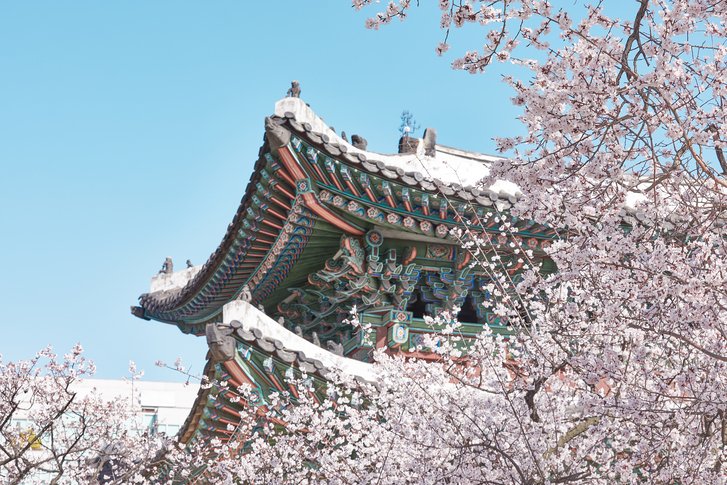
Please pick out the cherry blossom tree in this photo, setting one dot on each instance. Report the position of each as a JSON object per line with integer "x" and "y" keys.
{"x": 616, "y": 373}
{"x": 54, "y": 432}
{"x": 51, "y": 433}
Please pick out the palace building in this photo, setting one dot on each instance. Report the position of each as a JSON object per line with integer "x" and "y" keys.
{"x": 325, "y": 226}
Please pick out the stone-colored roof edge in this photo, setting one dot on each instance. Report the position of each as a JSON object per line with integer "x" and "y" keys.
{"x": 304, "y": 122}
{"x": 281, "y": 343}
{"x": 181, "y": 295}
{"x": 255, "y": 328}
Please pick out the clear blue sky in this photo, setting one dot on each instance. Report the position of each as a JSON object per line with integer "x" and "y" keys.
{"x": 128, "y": 131}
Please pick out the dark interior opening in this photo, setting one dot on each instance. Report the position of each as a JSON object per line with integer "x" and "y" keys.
{"x": 416, "y": 305}
{"x": 468, "y": 313}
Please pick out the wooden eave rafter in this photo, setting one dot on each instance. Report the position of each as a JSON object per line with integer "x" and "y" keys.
{"x": 380, "y": 192}
{"x": 211, "y": 416}
{"x": 234, "y": 261}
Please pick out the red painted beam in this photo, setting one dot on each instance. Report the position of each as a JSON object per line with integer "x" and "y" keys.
{"x": 310, "y": 200}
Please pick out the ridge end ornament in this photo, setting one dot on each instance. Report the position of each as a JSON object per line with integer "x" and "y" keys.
{"x": 220, "y": 341}
{"x": 276, "y": 135}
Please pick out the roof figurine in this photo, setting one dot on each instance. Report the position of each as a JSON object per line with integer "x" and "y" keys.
{"x": 245, "y": 294}
{"x": 294, "y": 91}
{"x": 167, "y": 267}
{"x": 343, "y": 135}
{"x": 359, "y": 142}
{"x": 335, "y": 347}
{"x": 430, "y": 142}
{"x": 189, "y": 264}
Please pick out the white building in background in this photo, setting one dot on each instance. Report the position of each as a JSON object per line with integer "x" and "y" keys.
{"x": 163, "y": 406}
